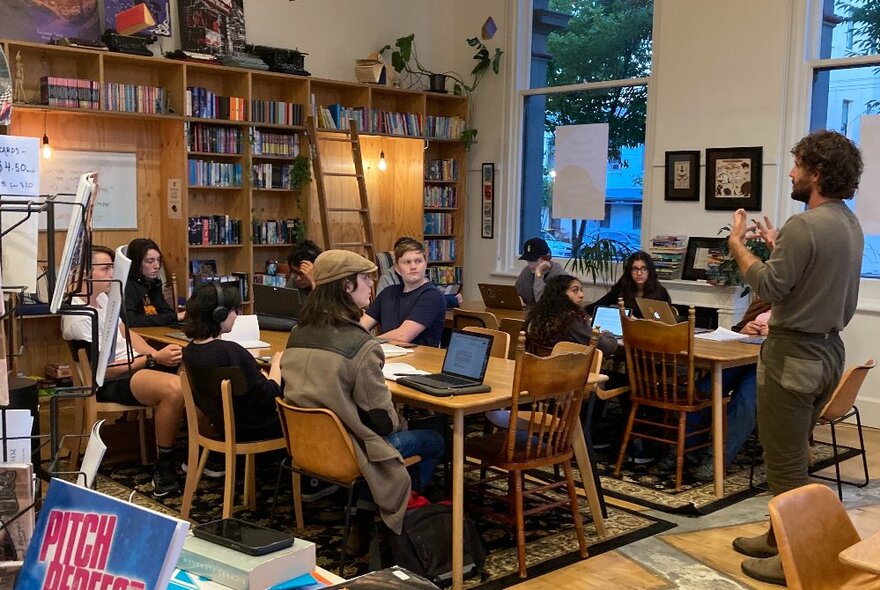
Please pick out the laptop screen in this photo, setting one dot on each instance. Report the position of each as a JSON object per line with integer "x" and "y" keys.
{"x": 277, "y": 301}
{"x": 608, "y": 318}
{"x": 467, "y": 355}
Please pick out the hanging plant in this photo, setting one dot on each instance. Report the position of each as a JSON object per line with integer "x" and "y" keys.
{"x": 300, "y": 172}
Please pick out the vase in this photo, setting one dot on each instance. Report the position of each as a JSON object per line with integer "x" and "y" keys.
{"x": 437, "y": 83}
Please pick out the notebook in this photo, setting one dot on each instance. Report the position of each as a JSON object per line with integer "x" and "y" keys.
{"x": 464, "y": 367}
{"x": 655, "y": 309}
{"x": 608, "y": 318}
{"x": 500, "y": 296}
{"x": 277, "y": 308}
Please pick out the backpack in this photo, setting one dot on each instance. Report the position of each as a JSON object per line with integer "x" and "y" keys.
{"x": 424, "y": 546}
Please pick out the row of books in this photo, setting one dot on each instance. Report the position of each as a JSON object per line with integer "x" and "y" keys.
{"x": 208, "y": 173}
{"x": 215, "y": 138}
{"x": 440, "y": 250}
{"x": 201, "y": 102}
{"x": 337, "y": 116}
{"x": 214, "y": 230}
{"x": 443, "y": 127}
{"x": 237, "y": 280}
{"x": 390, "y": 123}
{"x": 130, "y": 98}
{"x": 278, "y": 231}
{"x": 445, "y": 170}
{"x": 444, "y": 275}
{"x": 268, "y": 175}
{"x": 276, "y": 112}
{"x": 668, "y": 255}
{"x": 69, "y": 92}
{"x": 441, "y": 196}
{"x": 438, "y": 223}
{"x": 273, "y": 280}
{"x": 265, "y": 143}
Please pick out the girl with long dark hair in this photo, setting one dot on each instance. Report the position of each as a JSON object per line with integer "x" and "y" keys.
{"x": 639, "y": 279}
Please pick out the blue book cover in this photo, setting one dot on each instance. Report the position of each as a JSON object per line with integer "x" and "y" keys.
{"x": 86, "y": 539}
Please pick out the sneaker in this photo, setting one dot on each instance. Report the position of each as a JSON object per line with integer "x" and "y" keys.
{"x": 315, "y": 489}
{"x": 165, "y": 480}
{"x": 705, "y": 471}
{"x": 215, "y": 467}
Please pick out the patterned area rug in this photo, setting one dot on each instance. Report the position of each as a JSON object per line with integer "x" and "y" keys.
{"x": 551, "y": 541}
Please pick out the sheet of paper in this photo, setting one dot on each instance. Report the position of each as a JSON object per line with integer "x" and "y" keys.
{"x": 392, "y": 350}
{"x": 394, "y": 370}
{"x": 18, "y": 424}
{"x": 111, "y": 309}
{"x": 93, "y": 456}
{"x": 246, "y": 332}
{"x": 722, "y": 335}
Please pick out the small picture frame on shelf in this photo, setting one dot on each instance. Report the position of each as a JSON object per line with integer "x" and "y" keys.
{"x": 487, "y": 225}
{"x": 683, "y": 175}
{"x": 699, "y": 254}
{"x": 733, "y": 178}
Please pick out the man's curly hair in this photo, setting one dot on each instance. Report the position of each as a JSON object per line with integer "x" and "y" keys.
{"x": 836, "y": 160}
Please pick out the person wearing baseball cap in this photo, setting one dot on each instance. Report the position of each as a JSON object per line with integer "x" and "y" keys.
{"x": 540, "y": 268}
{"x": 333, "y": 362}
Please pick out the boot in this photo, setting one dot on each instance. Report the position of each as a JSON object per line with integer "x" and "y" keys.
{"x": 767, "y": 570}
{"x": 762, "y": 546}
{"x": 360, "y": 534}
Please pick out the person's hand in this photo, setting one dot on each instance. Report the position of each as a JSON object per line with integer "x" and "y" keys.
{"x": 459, "y": 298}
{"x": 170, "y": 356}
{"x": 754, "y": 328}
{"x": 306, "y": 268}
{"x": 276, "y": 360}
{"x": 766, "y": 231}
{"x": 738, "y": 228}
{"x": 542, "y": 267}
{"x": 181, "y": 315}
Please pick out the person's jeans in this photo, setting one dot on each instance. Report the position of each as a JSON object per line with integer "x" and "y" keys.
{"x": 428, "y": 444}
{"x": 742, "y": 383}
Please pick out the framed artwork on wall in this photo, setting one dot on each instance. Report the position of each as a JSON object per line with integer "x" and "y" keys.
{"x": 733, "y": 178}
{"x": 487, "y": 222}
{"x": 700, "y": 252}
{"x": 683, "y": 176}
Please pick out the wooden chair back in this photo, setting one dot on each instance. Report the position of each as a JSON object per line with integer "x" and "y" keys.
{"x": 170, "y": 292}
{"x": 844, "y": 396}
{"x": 212, "y": 390}
{"x": 500, "y": 340}
{"x": 660, "y": 360}
{"x": 462, "y": 318}
{"x": 318, "y": 442}
{"x": 513, "y": 327}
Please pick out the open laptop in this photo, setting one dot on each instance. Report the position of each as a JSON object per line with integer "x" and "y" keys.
{"x": 655, "y": 309}
{"x": 608, "y": 318}
{"x": 277, "y": 308}
{"x": 500, "y": 296}
{"x": 464, "y": 367}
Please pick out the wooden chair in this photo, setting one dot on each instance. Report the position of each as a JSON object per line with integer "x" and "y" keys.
{"x": 544, "y": 410}
{"x": 812, "y": 528}
{"x": 660, "y": 366}
{"x": 211, "y": 391}
{"x": 841, "y": 407}
{"x": 88, "y": 408}
{"x": 462, "y": 318}
{"x": 170, "y": 292}
{"x": 500, "y": 340}
{"x": 319, "y": 446}
{"x": 513, "y": 327}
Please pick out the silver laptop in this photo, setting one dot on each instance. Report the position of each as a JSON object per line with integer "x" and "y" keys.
{"x": 464, "y": 367}
{"x": 655, "y": 309}
{"x": 277, "y": 308}
{"x": 608, "y": 318}
{"x": 500, "y": 296}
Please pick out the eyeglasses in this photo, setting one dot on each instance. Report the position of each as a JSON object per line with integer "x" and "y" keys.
{"x": 637, "y": 270}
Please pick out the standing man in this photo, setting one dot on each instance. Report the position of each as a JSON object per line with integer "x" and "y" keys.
{"x": 539, "y": 270}
{"x": 812, "y": 281}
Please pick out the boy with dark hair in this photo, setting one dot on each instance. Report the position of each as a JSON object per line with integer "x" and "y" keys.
{"x": 301, "y": 260}
{"x": 539, "y": 270}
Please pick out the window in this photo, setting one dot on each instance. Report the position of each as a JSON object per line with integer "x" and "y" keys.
{"x": 587, "y": 68}
{"x": 844, "y": 115}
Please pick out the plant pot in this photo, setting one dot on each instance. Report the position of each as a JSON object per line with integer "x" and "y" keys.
{"x": 437, "y": 83}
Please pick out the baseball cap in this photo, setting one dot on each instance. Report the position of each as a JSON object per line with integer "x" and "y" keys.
{"x": 333, "y": 265}
{"x": 534, "y": 249}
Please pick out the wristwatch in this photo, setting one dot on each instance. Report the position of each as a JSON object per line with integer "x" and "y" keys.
{"x": 152, "y": 363}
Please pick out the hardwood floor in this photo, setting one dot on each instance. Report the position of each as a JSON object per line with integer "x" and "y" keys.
{"x": 703, "y": 544}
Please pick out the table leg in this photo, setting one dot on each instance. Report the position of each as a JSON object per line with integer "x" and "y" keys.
{"x": 457, "y": 500}
{"x": 579, "y": 445}
{"x": 717, "y": 431}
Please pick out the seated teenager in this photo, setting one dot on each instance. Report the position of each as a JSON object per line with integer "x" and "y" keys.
{"x": 301, "y": 261}
{"x": 413, "y": 311}
{"x": 639, "y": 279}
{"x": 539, "y": 269}
{"x": 145, "y": 304}
{"x": 390, "y": 277}
{"x": 332, "y": 362}
{"x": 150, "y": 381}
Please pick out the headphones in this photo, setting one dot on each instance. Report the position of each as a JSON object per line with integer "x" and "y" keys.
{"x": 219, "y": 313}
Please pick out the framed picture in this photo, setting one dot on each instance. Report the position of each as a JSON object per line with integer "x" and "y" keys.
{"x": 487, "y": 220}
{"x": 733, "y": 178}
{"x": 683, "y": 176}
{"x": 700, "y": 252}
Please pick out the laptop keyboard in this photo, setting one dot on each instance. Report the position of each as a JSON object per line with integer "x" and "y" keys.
{"x": 441, "y": 380}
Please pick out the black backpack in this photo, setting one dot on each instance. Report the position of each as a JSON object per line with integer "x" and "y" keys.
{"x": 425, "y": 544}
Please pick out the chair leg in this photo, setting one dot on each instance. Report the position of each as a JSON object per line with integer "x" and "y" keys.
{"x": 862, "y": 447}
{"x": 296, "y": 481}
{"x": 575, "y": 510}
{"x": 250, "y": 482}
{"x": 346, "y": 529}
{"x": 281, "y": 467}
{"x": 142, "y": 435}
{"x": 229, "y": 484}
{"x": 836, "y": 461}
{"x": 626, "y": 434}
{"x": 679, "y": 450}
{"x": 193, "y": 476}
{"x": 79, "y": 419}
{"x": 520, "y": 522}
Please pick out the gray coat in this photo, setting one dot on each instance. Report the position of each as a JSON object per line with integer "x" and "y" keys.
{"x": 340, "y": 368}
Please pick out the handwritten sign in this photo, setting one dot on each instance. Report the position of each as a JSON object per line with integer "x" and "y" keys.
{"x": 116, "y": 203}
{"x": 19, "y": 165}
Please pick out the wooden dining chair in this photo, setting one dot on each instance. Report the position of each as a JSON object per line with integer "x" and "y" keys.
{"x": 660, "y": 366}
{"x": 512, "y": 326}
{"x": 462, "y": 318}
{"x": 170, "y": 292}
{"x": 500, "y": 340}
{"x": 544, "y": 412}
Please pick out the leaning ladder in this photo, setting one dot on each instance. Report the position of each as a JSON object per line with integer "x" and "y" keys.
{"x": 365, "y": 243}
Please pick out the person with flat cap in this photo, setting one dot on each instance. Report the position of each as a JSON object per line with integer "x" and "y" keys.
{"x": 539, "y": 270}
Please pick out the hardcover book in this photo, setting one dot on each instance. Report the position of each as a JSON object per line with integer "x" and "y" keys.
{"x": 86, "y": 539}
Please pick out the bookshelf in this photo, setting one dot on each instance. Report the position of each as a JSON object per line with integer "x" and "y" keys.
{"x": 230, "y": 137}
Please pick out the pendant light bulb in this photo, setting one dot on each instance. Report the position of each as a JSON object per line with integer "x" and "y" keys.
{"x": 382, "y": 163}
{"x": 47, "y": 149}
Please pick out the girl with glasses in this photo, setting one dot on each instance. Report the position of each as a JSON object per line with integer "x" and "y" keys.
{"x": 639, "y": 279}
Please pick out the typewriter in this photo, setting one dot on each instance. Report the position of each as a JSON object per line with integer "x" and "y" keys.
{"x": 126, "y": 43}
{"x": 285, "y": 61}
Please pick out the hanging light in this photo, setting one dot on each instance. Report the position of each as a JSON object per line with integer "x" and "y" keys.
{"x": 46, "y": 149}
{"x": 382, "y": 163}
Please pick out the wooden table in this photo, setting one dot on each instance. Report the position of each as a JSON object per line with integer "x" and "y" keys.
{"x": 864, "y": 555}
{"x": 478, "y": 305}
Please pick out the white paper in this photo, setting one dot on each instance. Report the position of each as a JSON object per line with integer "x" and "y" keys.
{"x": 394, "y": 370}
{"x": 392, "y": 350}
{"x": 18, "y": 424}
{"x": 71, "y": 256}
{"x": 722, "y": 335}
{"x": 20, "y": 164}
{"x": 111, "y": 310}
{"x": 93, "y": 456}
{"x": 246, "y": 332}
{"x": 581, "y": 171}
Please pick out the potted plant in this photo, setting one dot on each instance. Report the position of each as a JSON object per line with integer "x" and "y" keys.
{"x": 598, "y": 256}
{"x": 404, "y": 59}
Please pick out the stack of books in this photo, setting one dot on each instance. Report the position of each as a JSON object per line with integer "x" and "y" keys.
{"x": 668, "y": 254}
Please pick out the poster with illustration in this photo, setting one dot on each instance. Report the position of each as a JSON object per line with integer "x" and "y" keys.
{"x": 41, "y": 20}
{"x": 211, "y": 26}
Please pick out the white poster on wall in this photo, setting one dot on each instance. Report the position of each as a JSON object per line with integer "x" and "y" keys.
{"x": 866, "y": 209}
{"x": 581, "y": 169}
{"x": 19, "y": 181}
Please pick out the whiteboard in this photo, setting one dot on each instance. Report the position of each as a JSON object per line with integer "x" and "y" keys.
{"x": 116, "y": 203}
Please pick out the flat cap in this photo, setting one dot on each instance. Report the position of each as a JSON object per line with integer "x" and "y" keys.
{"x": 333, "y": 265}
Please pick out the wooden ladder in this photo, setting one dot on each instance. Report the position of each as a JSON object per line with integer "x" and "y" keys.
{"x": 366, "y": 244}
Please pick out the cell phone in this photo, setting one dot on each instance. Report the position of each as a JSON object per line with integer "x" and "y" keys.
{"x": 243, "y": 536}
{"x": 452, "y": 289}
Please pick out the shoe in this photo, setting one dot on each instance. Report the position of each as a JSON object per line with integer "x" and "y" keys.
{"x": 215, "y": 467}
{"x": 705, "y": 471}
{"x": 667, "y": 463}
{"x": 165, "y": 480}
{"x": 360, "y": 534}
{"x": 756, "y": 546}
{"x": 768, "y": 570}
{"x": 315, "y": 489}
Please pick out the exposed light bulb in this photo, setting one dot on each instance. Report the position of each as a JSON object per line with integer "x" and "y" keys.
{"x": 47, "y": 149}
{"x": 553, "y": 173}
{"x": 382, "y": 163}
